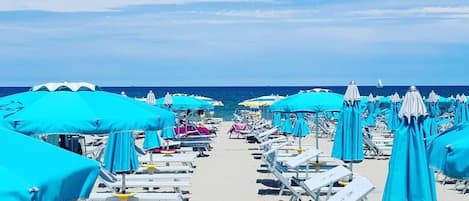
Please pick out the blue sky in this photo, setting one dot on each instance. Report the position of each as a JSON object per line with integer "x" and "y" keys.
{"x": 234, "y": 42}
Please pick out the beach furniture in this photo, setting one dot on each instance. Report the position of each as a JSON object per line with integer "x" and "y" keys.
{"x": 107, "y": 196}
{"x": 315, "y": 183}
{"x": 356, "y": 190}
{"x": 150, "y": 177}
{"x": 184, "y": 159}
{"x": 113, "y": 184}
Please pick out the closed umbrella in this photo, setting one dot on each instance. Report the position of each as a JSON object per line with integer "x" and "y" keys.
{"x": 151, "y": 99}
{"x": 34, "y": 170}
{"x": 120, "y": 155}
{"x": 348, "y": 141}
{"x": 431, "y": 124}
{"x": 371, "y": 109}
{"x": 300, "y": 128}
{"x": 409, "y": 176}
{"x": 168, "y": 100}
{"x": 287, "y": 125}
{"x": 277, "y": 121}
{"x": 462, "y": 110}
{"x": 393, "y": 119}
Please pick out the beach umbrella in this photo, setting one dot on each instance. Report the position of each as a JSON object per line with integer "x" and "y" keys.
{"x": 78, "y": 112}
{"x": 287, "y": 126}
{"x": 371, "y": 109}
{"x": 209, "y": 100}
{"x": 433, "y": 109}
{"x": 151, "y": 99}
{"x": 183, "y": 102}
{"x": 35, "y": 170}
{"x": 120, "y": 155}
{"x": 313, "y": 101}
{"x": 462, "y": 111}
{"x": 348, "y": 141}
{"x": 300, "y": 128}
{"x": 393, "y": 118}
{"x": 262, "y": 101}
{"x": 277, "y": 120}
{"x": 409, "y": 176}
{"x": 448, "y": 151}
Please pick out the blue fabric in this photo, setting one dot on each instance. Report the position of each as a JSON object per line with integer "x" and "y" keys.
{"x": 300, "y": 129}
{"x": 59, "y": 175}
{"x": 84, "y": 112}
{"x": 431, "y": 125}
{"x": 168, "y": 129}
{"x": 370, "y": 118}
{"x": 287, "y": 125}
{"x": 120, "y": 155}
{"x": 393, "y": 118}
{"x": 448, "y": 152}
{"x": 309, "y": 102}
{"x": 151, "y": 141}
{"x": 409, "y": 176}
{"x": 277, "y": 121}
{"x": 462, "y": 113}
{"x": 185, "y": 103}
{"x": 348, "y": 140}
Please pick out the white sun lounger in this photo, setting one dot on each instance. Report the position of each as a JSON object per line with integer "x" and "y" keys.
{"x": 356, "y": 190}
{"x": 313, "y": 185}
{"x": 176, "y": 185}
{"x": 185, "y": 159}
{"x": 167, "y": 169}
{"x": 138, "y": 196}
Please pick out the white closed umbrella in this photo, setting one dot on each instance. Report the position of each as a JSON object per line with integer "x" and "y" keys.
{"x": 151, "y": 99}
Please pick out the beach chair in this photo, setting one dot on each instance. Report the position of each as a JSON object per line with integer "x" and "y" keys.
{"x": 315, "y": 183}
{"x": 108, "y": 196}
{"x": 113, "y": 184}
{"x": 184, "y": 159}
{"x": 371, "y": 147}
{"x": 357, "y": 190}
{"x": 150, "y": 177}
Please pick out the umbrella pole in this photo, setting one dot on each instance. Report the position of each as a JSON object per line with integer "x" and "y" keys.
{"x": 317, "y": 138}
{"x": 351, "y": 175}
{"x": 123, "y": 183}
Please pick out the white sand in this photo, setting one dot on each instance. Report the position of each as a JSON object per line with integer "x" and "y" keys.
{"x": 230, "y": 173}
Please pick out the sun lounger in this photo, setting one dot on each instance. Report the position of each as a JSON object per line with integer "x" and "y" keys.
{"x": 313, "y": 185}
{"x": 185, "y": 159}
{"x": 356, "y": 190}
{"x": 149, "y": 177}
{"x": 138, "y": 196}
{"x": 109, "y": 182}
{"x": 167, "y": 169}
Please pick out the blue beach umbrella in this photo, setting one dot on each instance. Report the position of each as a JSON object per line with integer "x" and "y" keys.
{"x": 409, "y": 176}
{"x": 371, "y": 109}
{"x": 34, "y": 170}
{"x": 120, "y": 155}
{"x": 448, "y": 152}
{"x": 300, "y": 128}
{"x": 431, "y": 125}
{"x": 287, "y": 125}
{"x": 348, "y": 141}
{"x": 183, "y": 102}
{"x": 462, "y": 110}
{"x": 312, "y": 101}
{"x": 277, "y": 121}
{"x": 393, "y": 118}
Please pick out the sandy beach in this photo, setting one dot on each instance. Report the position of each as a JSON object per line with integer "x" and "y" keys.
{"x": 231, "y": 173}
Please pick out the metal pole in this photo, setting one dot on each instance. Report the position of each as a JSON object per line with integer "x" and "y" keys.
{"x": 317, "y": 139}
{"x": 123, "y": 183}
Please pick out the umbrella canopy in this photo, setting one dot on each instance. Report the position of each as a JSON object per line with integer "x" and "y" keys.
{"x": 262, "y": 101}
{"x": 409, "y": 176}
{"x": 209, "y": 100}
{"x": 448, "y": 152}
{"x": 348, "y": 142}
{"x": 393, "y": 118}
{"x": 52, "y": 174}
{"x": 431, "y": 125}
{"x": 183, "y": 102}
{"x": 151, "y": 140}
{"x": 309, "y": 102}
{"x": 151, "y": 99}
{"x": 80, "y": 112}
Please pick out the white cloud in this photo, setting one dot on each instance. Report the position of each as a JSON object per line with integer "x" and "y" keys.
{"x": 95, "y": 5}
{"x": 441, "y": 12}
{"x": 284, "y": 13}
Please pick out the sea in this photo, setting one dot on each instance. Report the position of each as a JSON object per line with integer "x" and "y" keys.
{"x": 231, "y": 96}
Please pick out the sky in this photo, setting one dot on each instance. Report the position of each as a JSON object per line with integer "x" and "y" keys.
{"x": 234, "y": 42}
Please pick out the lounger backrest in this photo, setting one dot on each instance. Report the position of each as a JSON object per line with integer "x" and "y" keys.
{"x": 273, "y": 141}
{"x": 106, "y": 176}
{"x": 285, "y": 181}
{"x": 302, "y": 158}
{"x": 268, "y": 132}
{"x": 354, "y": 191}
{"x": 325, "y": 178}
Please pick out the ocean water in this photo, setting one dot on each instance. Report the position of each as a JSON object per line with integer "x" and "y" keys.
{"x": 231, "y": 96}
